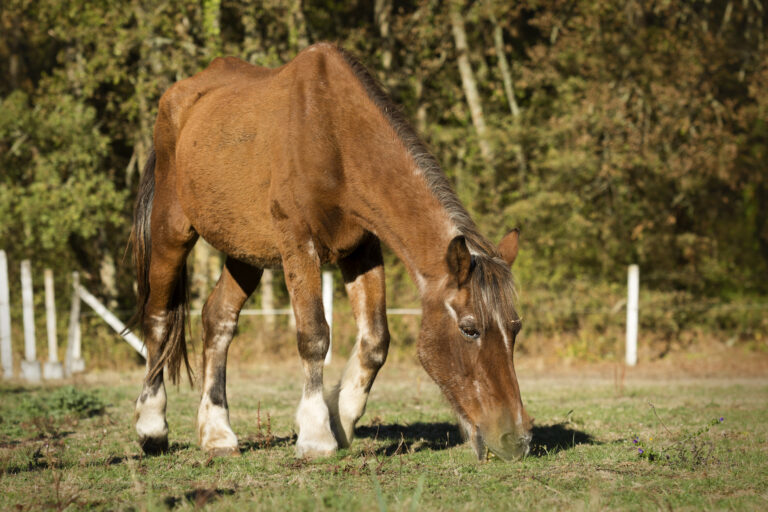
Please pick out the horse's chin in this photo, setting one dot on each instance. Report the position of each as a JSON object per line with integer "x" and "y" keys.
{"x": 472, "y": 434}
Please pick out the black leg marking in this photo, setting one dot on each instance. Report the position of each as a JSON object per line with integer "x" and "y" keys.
{"x": 154, "y": 446}
{"x": 218, "y": 390}
{"x": 151, "y": 388}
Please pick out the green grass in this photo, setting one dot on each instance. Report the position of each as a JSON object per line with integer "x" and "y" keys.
{"x": 74, "y": 449}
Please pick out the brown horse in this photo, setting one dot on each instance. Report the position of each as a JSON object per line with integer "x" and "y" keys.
{"x": 298, "y": 166}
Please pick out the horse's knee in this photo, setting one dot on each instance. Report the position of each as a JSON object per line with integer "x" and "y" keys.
{"x": 313, "y": 336}
{"x": 219, "y": 323}
{"x": 374, "y": 347}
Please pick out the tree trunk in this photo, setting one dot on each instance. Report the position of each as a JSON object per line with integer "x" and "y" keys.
{"x": 470, "y": 84}
{"x": 509, "y": 88}
{"x": 211, "y": 25}
{"x": 107, "y": 273}
{"x": 382, "y": 10}
{"x": 143, "y": 142}
{"x": 298, "y": 36}
{"x": 421, "y": 112}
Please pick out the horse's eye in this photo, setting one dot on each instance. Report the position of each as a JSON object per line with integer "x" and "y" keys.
{"x": 469, "y": 330}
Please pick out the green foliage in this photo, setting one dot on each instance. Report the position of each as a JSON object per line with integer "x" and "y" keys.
{"x": 53, "y": 187}
{"x": 61, "y": 402}
{"x": 642, "y": 126}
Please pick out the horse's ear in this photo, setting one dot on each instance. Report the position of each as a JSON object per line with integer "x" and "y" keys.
{"x": 508, "y": 246}
{"x": 459, "y": 260}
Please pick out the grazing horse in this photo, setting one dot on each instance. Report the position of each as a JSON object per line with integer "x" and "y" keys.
{"x": 294, "y": 167}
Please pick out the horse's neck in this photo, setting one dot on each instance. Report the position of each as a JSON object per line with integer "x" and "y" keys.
{"x": 397, "y": 204}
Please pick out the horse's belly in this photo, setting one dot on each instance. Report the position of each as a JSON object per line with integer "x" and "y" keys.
{"x": 225, "y": 196}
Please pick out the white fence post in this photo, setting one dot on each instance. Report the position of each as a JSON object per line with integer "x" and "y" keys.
{"x": 52, "y": 368}
{"x": 268, "y": 297}
{"x": 30, "y": 366}
{"x": 113, "y": 321}
{"x": 291, "y": 317}
{"x": 6, "y": 352}
{"x": 74, "y": 362}
{"x": 633, "y": 291}
{"x": 328, "y": 307}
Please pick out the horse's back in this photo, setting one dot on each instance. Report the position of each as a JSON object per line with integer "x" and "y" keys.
{"x": 245, "y": 138}
{"x": 223, "y": 72}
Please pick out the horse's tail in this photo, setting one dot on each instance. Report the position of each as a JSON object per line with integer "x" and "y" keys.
{"x": 173, "y": 346}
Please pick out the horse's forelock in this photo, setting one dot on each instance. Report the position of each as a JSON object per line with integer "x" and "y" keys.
{"x": 493, "y": 290}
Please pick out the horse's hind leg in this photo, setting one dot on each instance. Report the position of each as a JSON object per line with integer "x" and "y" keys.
{"x": 173, "y": 238}
{"x": 220, "y": 314}
{"x": 363, "y": 273}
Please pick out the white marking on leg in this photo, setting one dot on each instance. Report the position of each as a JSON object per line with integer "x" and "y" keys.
{"x": 213, "y": 428}
{"x": 315, "y": 436}
{"x": 421, "y": 283}
{"x": 214, "y": 431}
{"x": 150, "y": 415}
{"x": 159, "y": 326}
{"x": 311, "y": 250}
{"x": 352, "y": 394}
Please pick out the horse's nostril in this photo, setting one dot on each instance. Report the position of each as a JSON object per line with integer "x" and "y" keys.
{"x": 513, "y": 440}
{"x": 516, "y": 443}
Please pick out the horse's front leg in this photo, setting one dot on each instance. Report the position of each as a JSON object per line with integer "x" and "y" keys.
{"x": 363, "y": 273}
{"x": 302, "y": 271}
{"x": 220, "y": 315}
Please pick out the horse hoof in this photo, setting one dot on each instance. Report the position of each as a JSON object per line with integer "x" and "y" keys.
{"x": 226, "y": 451}
{"x": 315, "y": 450}
{"x": 154, "y": 445}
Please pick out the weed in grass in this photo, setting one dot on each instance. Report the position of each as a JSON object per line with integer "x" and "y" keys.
{"x": 64, "y": 401}
{"x": 264, "y": 440}
{"x": 61, "y": 498}
{"x": 687, "y": 451}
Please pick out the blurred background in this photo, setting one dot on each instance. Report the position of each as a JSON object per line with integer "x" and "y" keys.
{"x": 611, "y": 133}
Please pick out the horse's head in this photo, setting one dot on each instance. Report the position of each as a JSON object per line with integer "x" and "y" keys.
{"x": 466, "y": 345}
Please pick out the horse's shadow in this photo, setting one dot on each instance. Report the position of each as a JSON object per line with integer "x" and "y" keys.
{"x": 549, "y": 439}
{"x": 442, "y": 435}
{"x": 414, "y": 437}
{"x": 261, "y": 442}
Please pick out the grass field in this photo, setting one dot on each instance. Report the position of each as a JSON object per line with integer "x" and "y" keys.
{"x": 74, "y": 448}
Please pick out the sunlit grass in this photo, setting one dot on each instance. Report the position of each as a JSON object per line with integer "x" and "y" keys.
{"x": 407, "y": 456}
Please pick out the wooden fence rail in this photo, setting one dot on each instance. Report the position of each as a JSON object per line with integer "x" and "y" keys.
{"x": 74, "y": 363}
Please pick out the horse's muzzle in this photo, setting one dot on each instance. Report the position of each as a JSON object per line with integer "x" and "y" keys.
{"x": 510, "y": 445}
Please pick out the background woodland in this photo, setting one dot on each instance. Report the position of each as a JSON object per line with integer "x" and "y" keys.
{"x": 610, "y": 132}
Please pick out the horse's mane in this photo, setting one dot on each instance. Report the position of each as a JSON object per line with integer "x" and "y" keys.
{"x": 492, "y": 283}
